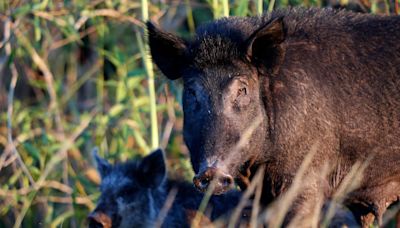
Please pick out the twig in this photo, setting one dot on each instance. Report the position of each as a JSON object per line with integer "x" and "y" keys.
{"x": 314, "y": 219}
{"x": 14, "y": 73}
{"x": 390, "y": 215}
{"x": 48, "y": 76}
{"x": 58, "y": 157}
{"x": 258, "y": 179}
{"x": 171, "y": 120}
{"x": 60, "y": 43}
{"x": 256, "y": 201}
{"x": 203, "y": 204}
{"x": 167, "y": 206}
{"x": 282, "y": 205}
{"x": 7, "y": 156}
{"x": 50, "y": 17}
{"x": 25, "y": 191}
{"x": 67, "y": 200}
{"x": 49, "y": 79}
{"x": 350, "y": 182}
{"x": 141, "y": 142}
{"x": 62, "y": 152}
{"x": 114, "y": 14}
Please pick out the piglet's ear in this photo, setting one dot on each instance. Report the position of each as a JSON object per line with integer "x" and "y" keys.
{"x": 103, "y": 166}
{"x": 152, "y": 169}
{"x": 264, "y": 45}
{"x": 167, "y": 50}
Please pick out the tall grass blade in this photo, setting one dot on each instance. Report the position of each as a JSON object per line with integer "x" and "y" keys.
{"x": 260, "y": 7}
{"x": 225, "y": 8}
{"x": 150, "y": 74}
{"x": 271, "y": 5}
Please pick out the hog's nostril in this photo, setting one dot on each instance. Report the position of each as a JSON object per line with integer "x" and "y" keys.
{"x": 204, "y": 183}
{"x": 201, "y": 182}
{"x": 225, "y": 181}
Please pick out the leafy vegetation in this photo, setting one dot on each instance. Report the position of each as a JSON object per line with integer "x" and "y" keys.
{"x": 76, "y": 74}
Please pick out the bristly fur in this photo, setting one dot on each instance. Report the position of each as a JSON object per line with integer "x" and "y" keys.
{"x": 223, "y": 40}
{"x": 129, "y": 202}
{"x": 314, "y": 76}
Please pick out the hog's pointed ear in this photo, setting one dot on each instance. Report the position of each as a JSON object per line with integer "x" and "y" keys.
{"x": 103, "y": 166}
{"x": 152, "y": 169}
{"x": 264, "y": 46}
{"x": 167, "y": 51}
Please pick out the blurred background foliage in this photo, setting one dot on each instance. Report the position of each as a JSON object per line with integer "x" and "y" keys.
{"x": 75, "y": 74}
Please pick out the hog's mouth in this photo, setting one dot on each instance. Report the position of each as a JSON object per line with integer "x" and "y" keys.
{"x": 244, "y": 175}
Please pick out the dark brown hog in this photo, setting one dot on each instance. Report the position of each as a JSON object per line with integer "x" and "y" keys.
{"x": 265, "y": 90}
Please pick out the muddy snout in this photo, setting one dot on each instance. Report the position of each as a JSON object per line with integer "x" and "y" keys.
{"x": 219, "y": 181}
{"x": 99, "y": 220}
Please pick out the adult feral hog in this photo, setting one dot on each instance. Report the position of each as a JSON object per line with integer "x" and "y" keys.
{"x": 295, "y": 78}
{"x": 133, "y": 194}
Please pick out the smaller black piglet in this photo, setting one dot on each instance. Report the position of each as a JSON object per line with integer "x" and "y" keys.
{"x": 133, "y": 194}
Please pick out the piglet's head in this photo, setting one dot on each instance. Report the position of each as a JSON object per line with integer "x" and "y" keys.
{"x": 128, "y": 192}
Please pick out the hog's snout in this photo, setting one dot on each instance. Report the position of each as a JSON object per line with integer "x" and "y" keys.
{"x": 220, "y": 181}
{"x": 99, "y": 220}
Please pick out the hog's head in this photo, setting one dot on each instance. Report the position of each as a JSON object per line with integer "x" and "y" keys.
{"x": 129, "y": 192}
{"x": 225, "y": 71}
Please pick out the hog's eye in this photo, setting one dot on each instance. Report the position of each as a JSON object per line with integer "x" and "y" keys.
{"x": 242, "y": 100}
{"x": 242, "y": 91}
{"x": 192, "y": 100}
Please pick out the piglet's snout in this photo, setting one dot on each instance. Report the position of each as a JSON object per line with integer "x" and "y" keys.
{"x": 99, "y": 220}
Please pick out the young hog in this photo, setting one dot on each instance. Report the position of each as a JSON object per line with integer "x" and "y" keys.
{"x": 133, "y": 193}
{"x": 296, "y": 78}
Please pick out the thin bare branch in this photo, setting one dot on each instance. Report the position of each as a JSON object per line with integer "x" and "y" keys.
{"x": 7, "y": 157}
{"x": 256, "y": 202}
{"x": 257, "y": 179}
{"x": 167, "y": 206}
{"x": 279, "y": 209}
{"x": 48, "y": 76}
{"x": 171, "y": 120}
{"x": 114, "y": 14}
{"x": 14, "y": 75}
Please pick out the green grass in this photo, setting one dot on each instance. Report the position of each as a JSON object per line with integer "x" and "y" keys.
{"x": 77, "y": 74}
